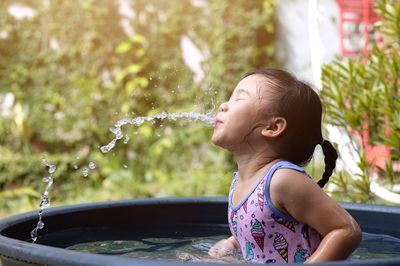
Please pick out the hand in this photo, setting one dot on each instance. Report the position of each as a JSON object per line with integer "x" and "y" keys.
{"x": 223, "y": 247}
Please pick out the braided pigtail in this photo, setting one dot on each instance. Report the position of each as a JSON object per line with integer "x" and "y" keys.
{"x": 330, "y": 161}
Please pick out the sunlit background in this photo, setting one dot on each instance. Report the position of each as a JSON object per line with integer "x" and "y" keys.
{"x": 69, "y": 70}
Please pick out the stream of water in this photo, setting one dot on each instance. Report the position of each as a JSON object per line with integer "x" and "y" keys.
{"x": 137, "y": 121}
{"x": 44, "y": 201}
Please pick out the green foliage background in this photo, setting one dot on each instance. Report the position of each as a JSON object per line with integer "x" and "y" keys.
{"x": 74, "y": 72}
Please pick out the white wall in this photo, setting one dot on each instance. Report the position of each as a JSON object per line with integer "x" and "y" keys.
{"x": 294, "y": 34}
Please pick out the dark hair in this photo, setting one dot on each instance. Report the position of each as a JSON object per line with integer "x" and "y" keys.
{"x": 300, "y": 105}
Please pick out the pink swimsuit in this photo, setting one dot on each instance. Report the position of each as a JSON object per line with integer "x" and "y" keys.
{"x": 265, "y": 234}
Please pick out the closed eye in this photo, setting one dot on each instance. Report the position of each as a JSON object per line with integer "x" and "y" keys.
{"x": 241, "y": 96}
{"x": 242, "y": 93}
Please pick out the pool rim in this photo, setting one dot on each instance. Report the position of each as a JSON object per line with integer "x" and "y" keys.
{"x": 25, "y": 252}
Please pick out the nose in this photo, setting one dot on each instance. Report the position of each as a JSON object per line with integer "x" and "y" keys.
{"x": 223, "y": 107}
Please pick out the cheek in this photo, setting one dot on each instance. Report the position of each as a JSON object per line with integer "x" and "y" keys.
{"x": 237, "y": 131}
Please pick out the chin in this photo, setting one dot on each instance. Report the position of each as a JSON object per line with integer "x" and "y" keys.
{"x": 216, "y": 141}
{"x": 219, "y": 143}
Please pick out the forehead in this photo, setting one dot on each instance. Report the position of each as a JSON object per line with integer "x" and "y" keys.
{"x": 254, "y": 84}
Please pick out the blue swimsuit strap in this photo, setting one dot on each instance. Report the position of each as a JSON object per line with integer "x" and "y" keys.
{"x": 270, "y": 173}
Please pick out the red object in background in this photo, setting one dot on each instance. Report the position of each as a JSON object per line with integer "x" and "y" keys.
{"x": 378, "y": 156}
{"x": 356, "y": 23}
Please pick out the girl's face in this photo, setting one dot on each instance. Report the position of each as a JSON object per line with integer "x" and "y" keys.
{"x": 236, "y": 119}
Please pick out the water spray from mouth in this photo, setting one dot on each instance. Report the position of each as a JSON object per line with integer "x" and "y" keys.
{"x": 137, "y": 121}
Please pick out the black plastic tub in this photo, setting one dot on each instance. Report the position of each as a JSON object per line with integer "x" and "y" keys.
{"x": 147, "y": 216}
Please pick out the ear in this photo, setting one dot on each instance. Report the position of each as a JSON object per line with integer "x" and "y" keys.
{"x": 275, "y": 127}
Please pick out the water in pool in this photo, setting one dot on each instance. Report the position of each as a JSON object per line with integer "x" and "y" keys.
{"x": 182, "y": 249}
{"x": 193, "y": 247}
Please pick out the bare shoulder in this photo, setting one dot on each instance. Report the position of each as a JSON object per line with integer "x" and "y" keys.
{"x": 289, "y": 186}
{"x": 287, "y": 180}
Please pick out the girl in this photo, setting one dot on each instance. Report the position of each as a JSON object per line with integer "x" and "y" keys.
{"x": 277, "y": 213}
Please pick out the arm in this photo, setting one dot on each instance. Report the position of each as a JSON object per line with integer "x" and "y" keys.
{"x": 297, "y": 194}
{"x": 224, "y": 247}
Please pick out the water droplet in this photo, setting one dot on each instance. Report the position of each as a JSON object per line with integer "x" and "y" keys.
{"x": 46, "y": 179}
{"x": 108, "y": 147}
{"x": 85, "y": 172}
{"x": 126, "y": 139}
{"x": 138, "y": 121}
{"x": 75, "y": 167}
{"x": 52, "y": 168}
{"x": 34, "y": 234}
{"x": 45, "y": 202}
{"x": 119, "y": 135}
{"x": 125, "y": 166}
{"x": 40, "y": 225}
{"x": 92, "y": 165}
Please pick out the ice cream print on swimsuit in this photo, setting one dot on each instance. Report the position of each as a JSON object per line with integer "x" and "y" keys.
{"x": 264, "y": 233}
